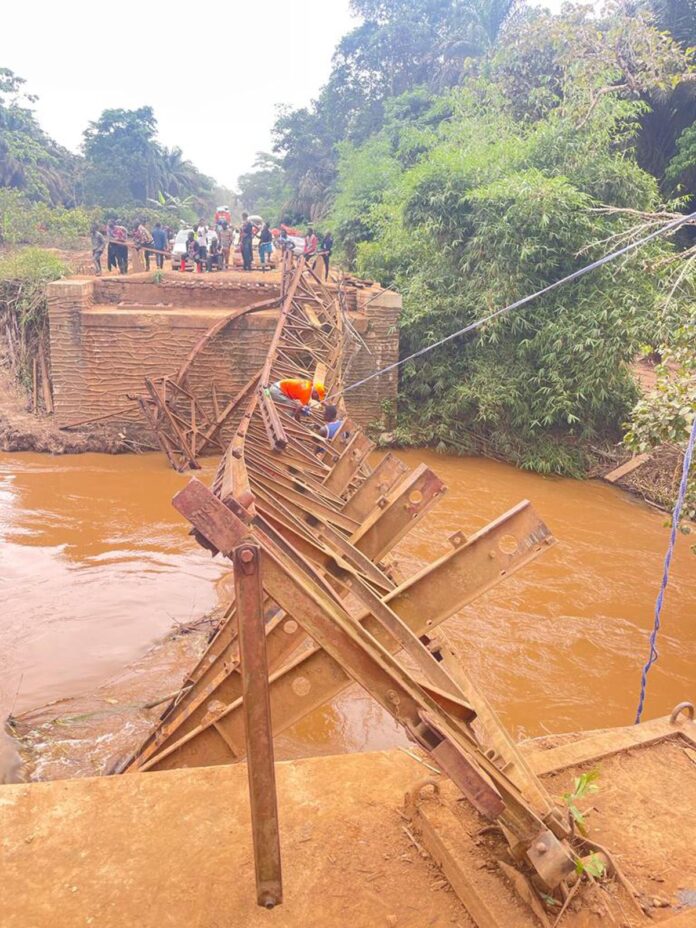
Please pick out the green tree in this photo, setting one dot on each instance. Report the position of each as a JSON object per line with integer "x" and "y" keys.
{"x": 29, "y": 160}
{"x": 123, "y": 159}
{"x": 398, "y": 47}
{"x": 504, "y": 201}
{"x": 179, "y": 177}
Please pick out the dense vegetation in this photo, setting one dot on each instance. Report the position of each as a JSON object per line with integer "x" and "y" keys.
{"x": 469, "y": 153}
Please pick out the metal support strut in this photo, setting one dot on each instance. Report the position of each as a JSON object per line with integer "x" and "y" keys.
{"x": 257, "y": 720}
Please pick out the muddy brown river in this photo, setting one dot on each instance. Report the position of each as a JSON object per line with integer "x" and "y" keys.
{"x": 95, "y": 565}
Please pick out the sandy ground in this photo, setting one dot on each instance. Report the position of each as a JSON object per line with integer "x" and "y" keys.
{"x": 174, "y": 848}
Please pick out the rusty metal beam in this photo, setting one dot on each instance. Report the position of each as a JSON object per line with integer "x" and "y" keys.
{"x": 363, "y": 501}
{"x": 502, "y": 748}
{"x": 349, "y": 463}
{"x": 257, "y": 723}
{"x": 277, "y": 437}
{"x": 422, "y": 602}
{"x": 398, "y": 512}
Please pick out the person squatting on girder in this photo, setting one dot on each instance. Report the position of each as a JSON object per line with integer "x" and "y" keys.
{"x": 297, "y": 393}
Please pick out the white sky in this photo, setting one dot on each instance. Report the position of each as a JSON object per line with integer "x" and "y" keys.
{"x": 212, "y": 71}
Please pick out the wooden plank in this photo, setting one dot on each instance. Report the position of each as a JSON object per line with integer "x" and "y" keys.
{"x": 45, "y": 380}
{"x": 626, "y": 468}
{"x": 35, "y": 385}
{"x": 258, "y": 728}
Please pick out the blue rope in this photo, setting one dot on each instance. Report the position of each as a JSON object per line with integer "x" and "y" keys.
{"x": 665, "y": 574}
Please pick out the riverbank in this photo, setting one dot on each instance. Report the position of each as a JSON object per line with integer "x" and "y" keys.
{"x": 23, "y": 430}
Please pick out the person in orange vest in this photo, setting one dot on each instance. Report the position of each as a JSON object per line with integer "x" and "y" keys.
{"x": 297, "y": 393}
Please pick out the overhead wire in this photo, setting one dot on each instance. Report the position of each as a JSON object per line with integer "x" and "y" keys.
{"x": 576, "y": 275}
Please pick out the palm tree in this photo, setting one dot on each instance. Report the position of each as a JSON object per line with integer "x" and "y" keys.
{"x": 179, "y": 176}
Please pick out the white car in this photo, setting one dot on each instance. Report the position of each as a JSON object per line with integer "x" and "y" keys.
{"x": 179, "y": 250}
{"x": 297, "y": 244}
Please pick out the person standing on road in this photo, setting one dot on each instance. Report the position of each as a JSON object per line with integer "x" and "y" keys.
{"x": 202, "y": 239}
{"x": 143, "y": 239}
{"x": 98, "y": 243}
{"x": 226, "y": 241}
{"x": 246, "y": 241}
{"x": 160, "y": 241}
{"x": 327, "y": 244}
{"x": 265, "y": 246}
{"x": 118, "y": 247}
{"x": 311, "y": 243}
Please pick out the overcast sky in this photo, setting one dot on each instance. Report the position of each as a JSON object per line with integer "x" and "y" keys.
{"x": 213, "y": 72}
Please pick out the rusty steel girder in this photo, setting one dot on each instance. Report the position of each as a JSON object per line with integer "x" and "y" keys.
{"x": 422, "y": 602}
{"x": 295, "y": 586}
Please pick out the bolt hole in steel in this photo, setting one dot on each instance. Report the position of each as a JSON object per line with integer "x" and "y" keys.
{"x": 508, "y": 544}
{"x": 290, "y": 627}
{"x": 301, "y": 686}
{"x": 415, "y": 497}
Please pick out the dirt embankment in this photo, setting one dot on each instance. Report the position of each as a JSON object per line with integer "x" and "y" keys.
{"x": 22, "y": 430}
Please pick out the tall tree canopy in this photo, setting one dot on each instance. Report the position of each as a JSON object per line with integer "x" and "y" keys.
{"x": 468, "y": 201}
{"x": 124, "y": 162}
{"x": 398, "y": 47}
{"x": 29, "y": 160}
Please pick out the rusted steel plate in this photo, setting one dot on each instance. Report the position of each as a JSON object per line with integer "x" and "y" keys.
{"x": 398, "y": 512}
{"x": 363, "y": 501}
{"x": 257, "y": 718}
{"x": 349, "y": 462}
{"x": 473, "y": 783}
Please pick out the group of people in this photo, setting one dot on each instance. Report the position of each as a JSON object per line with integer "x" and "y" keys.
{"x": 114, "y": 237}
{"x": 205, "y": 248}
{"x": 282, "y": 240}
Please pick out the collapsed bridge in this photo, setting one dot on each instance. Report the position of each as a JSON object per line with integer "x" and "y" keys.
{"x": 308, "y": 525}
